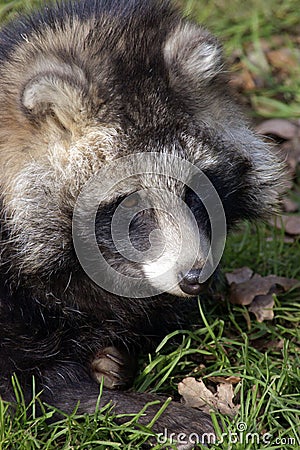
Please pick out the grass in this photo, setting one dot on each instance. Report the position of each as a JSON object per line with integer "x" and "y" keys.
{"x": 225, "y": 340}
{"x": 245, "y": 27}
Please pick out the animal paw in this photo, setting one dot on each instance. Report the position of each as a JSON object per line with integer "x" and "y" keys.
{"x": 115, "y": 367}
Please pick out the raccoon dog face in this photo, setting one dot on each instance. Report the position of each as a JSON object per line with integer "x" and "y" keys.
{"x": 88, "y": 94}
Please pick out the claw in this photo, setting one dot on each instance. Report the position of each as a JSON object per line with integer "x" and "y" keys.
{"x": 115, "y": 374}
{"x": 114, "y": 359}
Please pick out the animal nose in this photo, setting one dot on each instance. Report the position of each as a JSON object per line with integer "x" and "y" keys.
{"x": 189, "y": 283}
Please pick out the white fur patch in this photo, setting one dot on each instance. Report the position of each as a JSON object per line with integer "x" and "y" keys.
{"x": 191, "y": 50}
{"x": 183, "y": 249}
{"x": 161, "y": 276}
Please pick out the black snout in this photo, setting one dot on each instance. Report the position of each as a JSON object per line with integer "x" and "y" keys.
{"x": 190, "y": 282}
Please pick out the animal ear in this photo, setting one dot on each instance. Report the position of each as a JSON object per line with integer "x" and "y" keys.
{"x": 191, "y": 51}
{"x": 61, "y": 94}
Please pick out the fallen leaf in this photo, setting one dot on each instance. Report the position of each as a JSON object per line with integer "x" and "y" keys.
{"x": 243, "y": 80}
{"x": 291, "y": 152}
{"x": 289, "y": 206}
{"x": 283, "y": 59}
{"x": 239, "y": 275}
{"x": 278, "y": 127}
{"x": 263, "y": 345}
{"x": 244, "y": 293}
{"x": 290, "y": 224}
{"x": 262, "y": 306}
{"x": 272, "y": 42}
{"x": 225, "y": 403}
{"x": 200, "y": 368}
{"x": 197, "y": 395}
{"x": 230, "y": 380}
{"x": 285, "y": 283}
{"x": 286, "y": 239}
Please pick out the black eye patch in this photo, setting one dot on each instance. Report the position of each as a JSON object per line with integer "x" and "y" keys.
{"x": 196, "y": 205}
{"x": 134, "y": 226}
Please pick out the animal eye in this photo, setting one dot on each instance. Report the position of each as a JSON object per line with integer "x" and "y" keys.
{"x": 131, "y": 201}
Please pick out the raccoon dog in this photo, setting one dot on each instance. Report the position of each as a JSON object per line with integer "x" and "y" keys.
{"x": 130, "y": 90}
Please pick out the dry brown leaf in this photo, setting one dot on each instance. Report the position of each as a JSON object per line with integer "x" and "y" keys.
{"x": 197, "y": 395}
{"x": 271, "y": 43}
{"x": 239, "y": 275}
{"x": 244, "y": 293}
{"x": 283, "y": 59}
{"x": 286, "y": 239}
{"x": 290, "y": 206}
{"x": 290, "y": 224}
{"x": 228, "y": 380}
{"x": 243, "y": 80}
{"x": 263, "y": 345}
{"x": 225, "y": 403}
{"x": 291, "y": 152}
{"x": 278, "y": 127}
{"x": 285, "y": 283}
{"x": 262, "y": 306}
